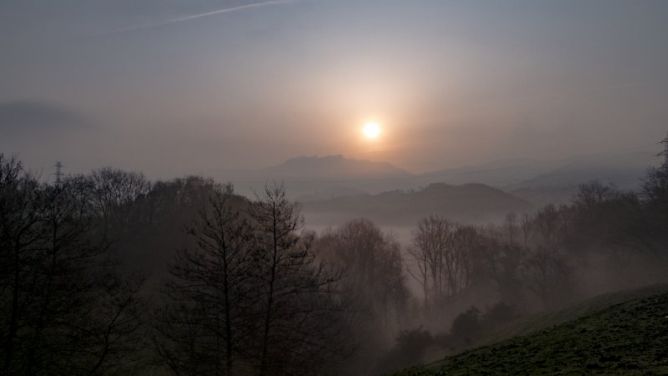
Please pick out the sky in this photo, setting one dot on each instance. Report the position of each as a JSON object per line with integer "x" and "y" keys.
{"x": 172, "y": 87}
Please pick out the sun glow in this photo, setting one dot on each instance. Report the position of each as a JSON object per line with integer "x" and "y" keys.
{"x": 371, "y": 130}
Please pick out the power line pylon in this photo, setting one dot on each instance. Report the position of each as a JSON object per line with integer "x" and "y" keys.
{"x": 59, "y": 172}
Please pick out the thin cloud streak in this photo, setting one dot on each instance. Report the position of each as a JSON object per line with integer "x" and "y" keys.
{"x": 206, "y": 14}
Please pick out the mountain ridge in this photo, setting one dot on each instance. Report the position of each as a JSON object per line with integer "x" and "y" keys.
{"x": 314, "y": 177}
{"x": 469, "y": 203}
{"x": 335, "y": 166}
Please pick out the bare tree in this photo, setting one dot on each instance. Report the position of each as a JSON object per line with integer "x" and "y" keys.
{"x": 544, "y": 268}
{"x": 113, "y": 193}
{"x": 68, "y": 311}
{"x": 19, "y": 234}
{"x": 372, "y": 286}
{"x": 444, "y": 254}
{"x": 208, "y": 314}
{"x": 300, "y": 325}
{"x": 430, "y": 243}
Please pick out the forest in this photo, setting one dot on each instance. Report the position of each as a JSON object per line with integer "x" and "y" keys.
{"x": 108, "y": 273}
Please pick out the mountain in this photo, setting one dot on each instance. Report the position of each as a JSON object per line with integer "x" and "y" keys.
{"x": 471, "y": 203}
{"x": 310, "y": 178}
{"x": 552, "y": 181}
{"x": 334, "y": 167}
{"x": 501, "y": 173}
{"x": 317, "y": 178}
{"x": 623, "y": 170}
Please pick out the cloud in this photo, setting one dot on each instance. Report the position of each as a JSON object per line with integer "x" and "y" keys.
{"x": 191, "y": 17}
{"x": 21, "y": 117}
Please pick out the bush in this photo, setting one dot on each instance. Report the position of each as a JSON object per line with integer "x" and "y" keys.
{"x": 408, "y": 351}
{"x": 466, "y": 328}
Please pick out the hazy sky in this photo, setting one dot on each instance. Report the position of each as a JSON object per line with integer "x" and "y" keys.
{"x": 176, "y": 86}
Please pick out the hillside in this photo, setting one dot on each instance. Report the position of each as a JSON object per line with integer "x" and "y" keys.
{"x": 466, "y": 203}
{"x": 629, "y": 338}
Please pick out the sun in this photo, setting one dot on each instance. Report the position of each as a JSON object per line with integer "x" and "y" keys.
{"x": 371, "y": 130}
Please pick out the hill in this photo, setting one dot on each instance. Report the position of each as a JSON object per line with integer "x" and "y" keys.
{"x": 627, "y": 338}
{"x": 466, "y": 203}
{"x": 309, "y": 178}
{"x": 623, "y": 170}
{"x": 499, "y": 173}
{"x": 333, "y": 167}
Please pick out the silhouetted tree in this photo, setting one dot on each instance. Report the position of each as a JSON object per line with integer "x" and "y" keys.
{"x": 466, "y": 327}
{"x": 655, "y": 194}
{"x": 371, "y": 266}
{"x": 20, "y": 233}
{"x": 300, "y": 321}
{"x": 208, "y": 316}
{"x": 545, "y": 267}
{"x": 431, "y": 241}
{"x": 372, "y": 286}
{"x": 64, "y": 308}
{"x": 446, "y": 255}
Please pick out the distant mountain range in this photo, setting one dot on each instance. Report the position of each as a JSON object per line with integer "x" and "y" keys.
{"x": 315, "y": 178}
{"x": 309, "y": 178}
{"x": 334, "y": 189}
{"x": 470, "y": 203}
{"x": 625, "y": 171}
{"x": 334, "y": 167}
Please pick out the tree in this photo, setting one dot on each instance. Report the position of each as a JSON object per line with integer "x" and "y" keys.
{"x": 202, "y": 329}
{"x": 655, "y": 194}
{"x": 545, "y": 268}
{"x": 113, "y": 193}
{"x": 445, "y": 255}
{"x": 67, "y": 311}
{"x": 19, "y": 234}
{"x": 505, "y": 250}
{"x": 372, "y": 287}
{"x": 466, "y": 327}
{"x": 371, "y": 267}
{"x": 301, "y": 322}
{"x": 430, "y": 243}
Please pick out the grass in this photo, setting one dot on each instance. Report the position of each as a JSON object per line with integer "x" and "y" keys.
{"x": 620, "y": 338}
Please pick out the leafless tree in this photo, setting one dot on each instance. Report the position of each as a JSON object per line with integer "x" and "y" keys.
{"x": 300, "y": 320}
{"x": 444, "y": 253}
{"x": 113, "y": 193}
{"x": 67, "y": 311}
{"x": 208, "y": 314}
{"x": 545, "y": 267}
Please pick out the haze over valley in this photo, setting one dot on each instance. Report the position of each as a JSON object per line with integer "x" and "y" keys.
{"x": 333, "y": 187}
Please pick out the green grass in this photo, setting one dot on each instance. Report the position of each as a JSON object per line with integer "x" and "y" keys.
{"x": 534, "y": 323}
{"x": 627, "y": 338}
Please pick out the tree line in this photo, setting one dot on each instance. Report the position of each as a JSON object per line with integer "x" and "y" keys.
{"x": 108, "y": 273}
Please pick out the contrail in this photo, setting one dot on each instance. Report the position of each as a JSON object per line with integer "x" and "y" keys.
{"x": 206, "y": 14}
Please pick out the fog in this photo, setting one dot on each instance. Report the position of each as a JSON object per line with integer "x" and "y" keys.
{"x": 326, "y": 187}
{"x": 454, "y": 84}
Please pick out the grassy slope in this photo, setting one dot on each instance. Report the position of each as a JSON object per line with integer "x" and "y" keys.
{"x": 625, "y": 338}
{"x": 529, "y": 325}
